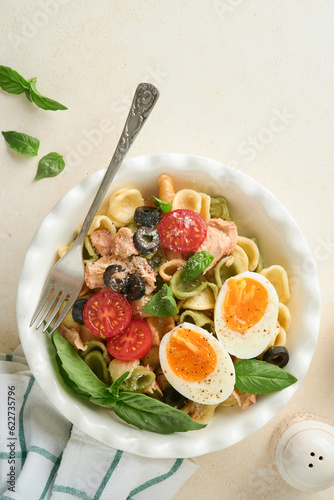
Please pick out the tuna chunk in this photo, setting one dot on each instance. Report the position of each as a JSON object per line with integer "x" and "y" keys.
{"x": 136, "y": 265}
{"x": 72, "y": 336}
{"x": 244, "y": 399}
{"x": 122, "y": 243}
{"x": 221, "y": 239}
{"x": 101, "y": 241}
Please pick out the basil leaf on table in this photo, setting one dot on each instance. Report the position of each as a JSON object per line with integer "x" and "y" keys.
{"x": 22, "y": 143}
{"x": 41, "y": 101}
{"x": 136, "y": 409}
{"x": 162, "y": 304}
{"x": 196, "y": 264}
{"x": 50, "y": 166}
{"x": 12, "y": 82}
{"x": 259, "y": 377}
{"x": 164, "y": 207}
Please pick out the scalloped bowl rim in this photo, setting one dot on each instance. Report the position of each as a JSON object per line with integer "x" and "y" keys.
{"x": 283, "y": 241}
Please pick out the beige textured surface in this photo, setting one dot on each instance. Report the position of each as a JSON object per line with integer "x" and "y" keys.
{"x": 248, "y": 83}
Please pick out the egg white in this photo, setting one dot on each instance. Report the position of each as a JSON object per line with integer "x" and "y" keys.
{"x": 255, "y": 339}
{"x": 216, "y": 387}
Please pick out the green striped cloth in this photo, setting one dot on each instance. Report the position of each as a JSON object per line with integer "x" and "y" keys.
{"x": 43, "y": 457}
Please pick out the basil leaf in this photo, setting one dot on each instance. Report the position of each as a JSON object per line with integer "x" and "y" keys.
{"x": 115, "y": 386}
{"x": 153, "y": 415}
{"x": 41, "y": 101}
{"x": 162, "y": 304}
{"x": 164, "y": 207}
{"x": 258, "y": 377}
{"x": 196, "y": 264}
{"x": 11, "y": 81}
{"x": 22, "y": 143}
{"x": 50, "y": 166}
{"x": 77, "y": 370}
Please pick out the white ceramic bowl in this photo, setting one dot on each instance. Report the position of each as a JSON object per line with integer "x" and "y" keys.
{"x": 257, "y": 213}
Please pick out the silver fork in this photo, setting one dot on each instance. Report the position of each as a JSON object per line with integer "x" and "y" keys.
{"x": 66, "y": 278}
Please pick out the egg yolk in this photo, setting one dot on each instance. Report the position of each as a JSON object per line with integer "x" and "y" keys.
{"x": 190, "y": 355}
{"x": 245, "y": 303}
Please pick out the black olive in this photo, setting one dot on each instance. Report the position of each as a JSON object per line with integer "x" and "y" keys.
{"x": 174, "y": 398}
{"x": 146, "y": 240}
{"x": 278, "y": 356}
{"x": 134, "y": 287}
{"x": 77, "y": 310}
{"x": 147, "y": 216}
{"x": 114, "y": 284}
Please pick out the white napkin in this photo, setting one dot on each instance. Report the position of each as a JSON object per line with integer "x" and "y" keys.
{"x": 42, "y": 456}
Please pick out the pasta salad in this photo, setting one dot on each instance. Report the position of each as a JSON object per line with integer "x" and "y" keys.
{"x": 178, "y": 314}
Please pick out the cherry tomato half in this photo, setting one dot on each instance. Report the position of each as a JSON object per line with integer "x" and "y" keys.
{"x": 133, "y": 342}
{"x": 182, "y": 230}
{"x": 106, "y": 313}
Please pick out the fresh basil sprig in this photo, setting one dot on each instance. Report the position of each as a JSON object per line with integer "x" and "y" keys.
{"x": 162, "y": 304}
{"x": 14, "y": 83}
{"x": 259, "y": 377}
{"x": 22, "y": 143}
{"x": 136, "y": 409}
{"x": 162, "y": 205}
{"x": 50, "y": 166}
{"x": 196, "y": 264}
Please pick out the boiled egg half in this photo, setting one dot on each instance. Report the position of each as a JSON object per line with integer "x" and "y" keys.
{"x": 246, "y": 314}
{"x": 196, "y": 364}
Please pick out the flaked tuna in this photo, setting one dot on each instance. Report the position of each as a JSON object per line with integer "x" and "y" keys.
{"x": 101, "y": 241}
{"x": 220, "y": 240}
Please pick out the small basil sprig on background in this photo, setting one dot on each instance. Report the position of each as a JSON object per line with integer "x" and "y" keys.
{"x": 162, "y": 304}
{"x": 50, "y": 166}
{"x": 22, "y": 143}
{"x": 14, "y": 83}
{"x": 259, "y": 377}
{"x": 162, "y": 205}
{"x": 196, "y": 264}
{"x": 134, "y": 408}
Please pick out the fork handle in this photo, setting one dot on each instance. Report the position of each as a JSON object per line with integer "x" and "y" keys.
{"x": 145, "y": 97}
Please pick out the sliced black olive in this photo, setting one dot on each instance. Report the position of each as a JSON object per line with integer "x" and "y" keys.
{"x": 146, "y": 240}
{"x": 278, "y": 356}
{"x": 77, "y": 310}
{"x": 174, "y": 398}
{"x": 147, "y": 216}
{"x": 114, "y": 284}
{"x": 134, "y": 287}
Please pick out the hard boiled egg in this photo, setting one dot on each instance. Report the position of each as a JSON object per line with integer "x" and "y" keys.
{"x": 246, "y": 314}
{"x": 196, "y": 364}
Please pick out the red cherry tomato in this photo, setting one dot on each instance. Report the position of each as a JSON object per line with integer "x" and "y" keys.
{"x": 182, "y": 230}
{"x": 106, "y": 313}
{"x": 133, "y": 342}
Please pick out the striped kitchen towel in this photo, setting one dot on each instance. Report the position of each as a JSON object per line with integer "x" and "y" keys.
{"x": 43, "y": 457}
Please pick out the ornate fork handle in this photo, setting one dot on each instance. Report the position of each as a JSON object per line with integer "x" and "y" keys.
{"x": 145, "y": 97}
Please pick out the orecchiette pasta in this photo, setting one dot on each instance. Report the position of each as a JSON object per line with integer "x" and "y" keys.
{"x": 102, "y": 222}
{"x": 278, "y": 277}
{"x": 251, "y": 250}
{"x": 240, "y": 258}
{"x": 169, "y": 268}
{"x": 122, "y": 206}
{"x": 284, "y": 316}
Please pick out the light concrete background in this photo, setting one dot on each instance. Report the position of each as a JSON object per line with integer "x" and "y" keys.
{"x": 249, "y": 83}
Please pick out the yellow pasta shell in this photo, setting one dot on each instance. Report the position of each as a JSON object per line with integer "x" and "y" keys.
{"x": 252, "y": 251}
{"x": 280, "y": 340}
{"x": 122, "y": 205}
{"x": 278, "y": 277}
{"x": 187, "y": 199}
{"x": 284, "y": 316}
{"x": 205, "y": 207}
{"x": 241, "y": 258}
{"x": 203, "y": 300}
{"x": 102, "y": 222}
